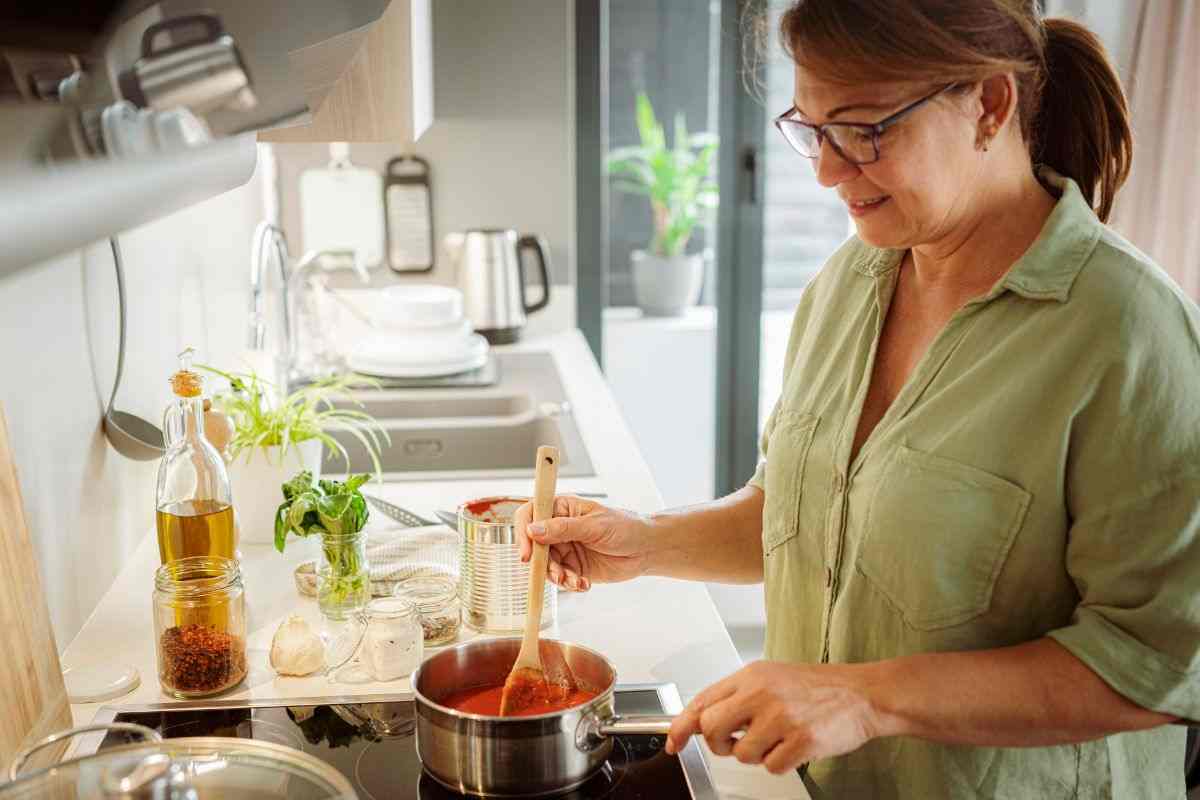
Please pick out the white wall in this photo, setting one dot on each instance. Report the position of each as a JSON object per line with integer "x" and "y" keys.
{"x": 86, "y": 506}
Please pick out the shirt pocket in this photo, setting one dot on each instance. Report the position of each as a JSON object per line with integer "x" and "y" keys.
{"x": 787, "y": 453}
{"x": 937, "y": 534}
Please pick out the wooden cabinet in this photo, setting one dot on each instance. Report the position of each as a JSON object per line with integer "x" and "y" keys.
{"x": 386, "y": 92}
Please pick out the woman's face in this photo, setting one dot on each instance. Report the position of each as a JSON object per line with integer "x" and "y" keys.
{"x": 920, "y": 189}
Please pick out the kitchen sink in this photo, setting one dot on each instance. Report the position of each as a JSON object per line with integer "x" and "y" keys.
{"x": 473, "y": 432}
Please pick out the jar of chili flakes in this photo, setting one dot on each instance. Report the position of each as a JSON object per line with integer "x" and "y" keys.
{"x": 200, "y": 626}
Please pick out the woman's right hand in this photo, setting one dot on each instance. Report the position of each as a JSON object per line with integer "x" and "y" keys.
{"x": 588, "y": 542}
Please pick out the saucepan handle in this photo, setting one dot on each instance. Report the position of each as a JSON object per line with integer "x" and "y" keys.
{"x": 639, "y": 725}
{"x": 594, "y": 730}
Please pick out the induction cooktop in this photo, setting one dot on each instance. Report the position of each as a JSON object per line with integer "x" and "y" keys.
{"x": 370, "y": 741}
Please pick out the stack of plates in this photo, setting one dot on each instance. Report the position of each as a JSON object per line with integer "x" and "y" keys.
{"x": 420, "y": 332}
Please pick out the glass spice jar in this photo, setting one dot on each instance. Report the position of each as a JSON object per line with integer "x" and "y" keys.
{"x": 199, "y": 626}
{"x": 436, "y": 599}
{"x": 382, "y": 642}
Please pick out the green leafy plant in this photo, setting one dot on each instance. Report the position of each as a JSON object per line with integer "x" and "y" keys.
{"x": 333, "y": 510}
{"x": 676, "y": 178}
{"x": 305, "y": 414}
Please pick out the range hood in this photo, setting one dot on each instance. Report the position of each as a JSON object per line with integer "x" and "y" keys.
{"x": 132, "y": 52}
{"x": 114, "y": 113}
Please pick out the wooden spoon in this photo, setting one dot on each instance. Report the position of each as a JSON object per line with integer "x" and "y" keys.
{"x": 526, "y": 684}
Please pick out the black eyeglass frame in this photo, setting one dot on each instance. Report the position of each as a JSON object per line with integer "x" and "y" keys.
{"x": 875, "y": 129}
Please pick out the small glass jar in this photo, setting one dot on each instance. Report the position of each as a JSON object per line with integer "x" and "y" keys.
{"x": 199, "y": 626}
{"x": 343, "y": 575}
{"x": 384, "y": 641}
{"x": 436, "y": 599}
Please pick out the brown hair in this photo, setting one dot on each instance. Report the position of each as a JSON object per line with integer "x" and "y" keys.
{"x": 1071, "y": 107}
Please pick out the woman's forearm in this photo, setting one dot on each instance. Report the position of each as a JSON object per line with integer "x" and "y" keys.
{"x": 719, "y": 541}
{"x": 1028, "y": 695}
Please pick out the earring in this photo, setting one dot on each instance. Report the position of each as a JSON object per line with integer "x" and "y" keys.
{"x": 984, "y": 139}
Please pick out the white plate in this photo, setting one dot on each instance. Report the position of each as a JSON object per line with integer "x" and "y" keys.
{"x": 418, "y": 371}
{"x": 409, "y": 349}
{"x": 385, "y": 363}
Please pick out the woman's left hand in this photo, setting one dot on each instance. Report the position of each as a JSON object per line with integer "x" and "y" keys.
{"x": 789, "y": 714}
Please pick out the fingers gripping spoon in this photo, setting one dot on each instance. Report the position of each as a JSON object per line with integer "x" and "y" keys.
{"x": 526, "y": 684}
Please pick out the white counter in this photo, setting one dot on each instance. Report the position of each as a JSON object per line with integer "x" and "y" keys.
{"x": 654, "y": 630}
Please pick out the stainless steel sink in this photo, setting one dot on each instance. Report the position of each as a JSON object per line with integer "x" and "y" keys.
{"x": 474, "y": 432}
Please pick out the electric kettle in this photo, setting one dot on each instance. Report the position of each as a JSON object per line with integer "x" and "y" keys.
{"x": 491, "y": 275}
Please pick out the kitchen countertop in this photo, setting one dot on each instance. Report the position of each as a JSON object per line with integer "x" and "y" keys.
{"x": 637, "y": 625}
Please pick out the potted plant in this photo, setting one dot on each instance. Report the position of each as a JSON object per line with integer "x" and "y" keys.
{"x": 273, "y": 441}
{"x": 666, "y": 279}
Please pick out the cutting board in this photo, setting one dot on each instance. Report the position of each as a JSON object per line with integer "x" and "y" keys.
{"x": 31, "y": 683}
{"x": 341, "y": 208}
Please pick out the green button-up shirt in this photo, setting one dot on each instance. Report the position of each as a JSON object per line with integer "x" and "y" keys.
{"x": 1038, "y": 475}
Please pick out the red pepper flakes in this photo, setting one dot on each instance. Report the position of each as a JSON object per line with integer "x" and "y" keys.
{"x": 196, "y": 658}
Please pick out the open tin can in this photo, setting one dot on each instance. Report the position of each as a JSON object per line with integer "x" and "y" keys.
{"x": 493, "y": 582}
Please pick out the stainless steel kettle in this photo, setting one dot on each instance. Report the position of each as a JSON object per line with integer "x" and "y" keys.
{"x": 491, "y": 275}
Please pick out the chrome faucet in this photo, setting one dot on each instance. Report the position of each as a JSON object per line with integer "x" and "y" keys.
{"x": 298, "y": 304}
{"x": 268, "y": 238}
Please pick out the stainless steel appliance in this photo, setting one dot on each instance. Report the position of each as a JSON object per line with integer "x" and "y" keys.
{"x": 491, "y": 275}
{"x": 370, "y": 740}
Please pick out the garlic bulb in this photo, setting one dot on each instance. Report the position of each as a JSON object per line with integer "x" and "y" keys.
{"x": 296, "y": 649}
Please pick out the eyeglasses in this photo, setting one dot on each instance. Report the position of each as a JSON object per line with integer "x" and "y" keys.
{"x": 855, "y": 142}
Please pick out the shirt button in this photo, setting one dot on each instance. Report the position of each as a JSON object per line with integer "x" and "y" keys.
{"x": 839, "y": 483}
{"x": 828, "y": 577}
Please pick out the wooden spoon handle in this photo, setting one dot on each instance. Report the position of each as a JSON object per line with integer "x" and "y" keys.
{"x": 544, "y": 482}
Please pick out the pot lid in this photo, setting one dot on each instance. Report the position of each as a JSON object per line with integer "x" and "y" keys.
{"x": 196, "y": 768}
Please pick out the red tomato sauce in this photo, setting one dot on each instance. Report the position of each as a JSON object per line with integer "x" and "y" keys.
{"x": 480, "y": 507}
{"x": 486, "y": 700}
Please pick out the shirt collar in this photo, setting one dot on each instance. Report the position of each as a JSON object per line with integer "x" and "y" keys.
{"x": 1047, "y": 270}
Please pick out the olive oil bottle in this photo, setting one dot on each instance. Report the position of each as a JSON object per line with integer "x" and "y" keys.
{"x": 195, "y": 528}
{"x": 195, "y": 503}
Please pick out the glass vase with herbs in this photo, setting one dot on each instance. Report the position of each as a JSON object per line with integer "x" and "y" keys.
{"x": 337, "y": 512}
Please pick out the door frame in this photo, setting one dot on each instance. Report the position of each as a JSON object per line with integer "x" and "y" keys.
{"x": 742, "y": 125}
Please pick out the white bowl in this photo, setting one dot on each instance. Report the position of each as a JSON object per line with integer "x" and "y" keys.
{"x": 418, "y": 307}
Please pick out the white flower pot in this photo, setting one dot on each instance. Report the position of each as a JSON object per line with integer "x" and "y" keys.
{"x": 666, "y": 287}
{"x": 257, "y": 477}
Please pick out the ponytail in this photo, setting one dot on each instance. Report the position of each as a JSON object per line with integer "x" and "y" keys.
{"x": 1082, "y": 128}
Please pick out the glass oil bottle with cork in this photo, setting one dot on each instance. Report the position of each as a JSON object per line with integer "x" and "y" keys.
{"x": 195, "y": 503}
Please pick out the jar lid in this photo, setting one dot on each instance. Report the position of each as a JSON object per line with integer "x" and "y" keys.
{"x": 428, "y": 593}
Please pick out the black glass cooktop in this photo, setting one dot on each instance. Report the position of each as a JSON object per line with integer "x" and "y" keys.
{"x": 372, "y": 744}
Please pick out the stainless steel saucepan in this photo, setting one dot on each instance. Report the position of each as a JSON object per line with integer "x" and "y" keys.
{"x": 517, "y": 756}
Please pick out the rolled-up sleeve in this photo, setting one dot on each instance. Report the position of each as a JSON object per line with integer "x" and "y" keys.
{"x": 1133, "y": 548}
{"x": 1136, "y": 563}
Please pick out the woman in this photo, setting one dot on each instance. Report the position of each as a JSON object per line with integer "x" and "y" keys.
{"x": 978, "y": 511}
